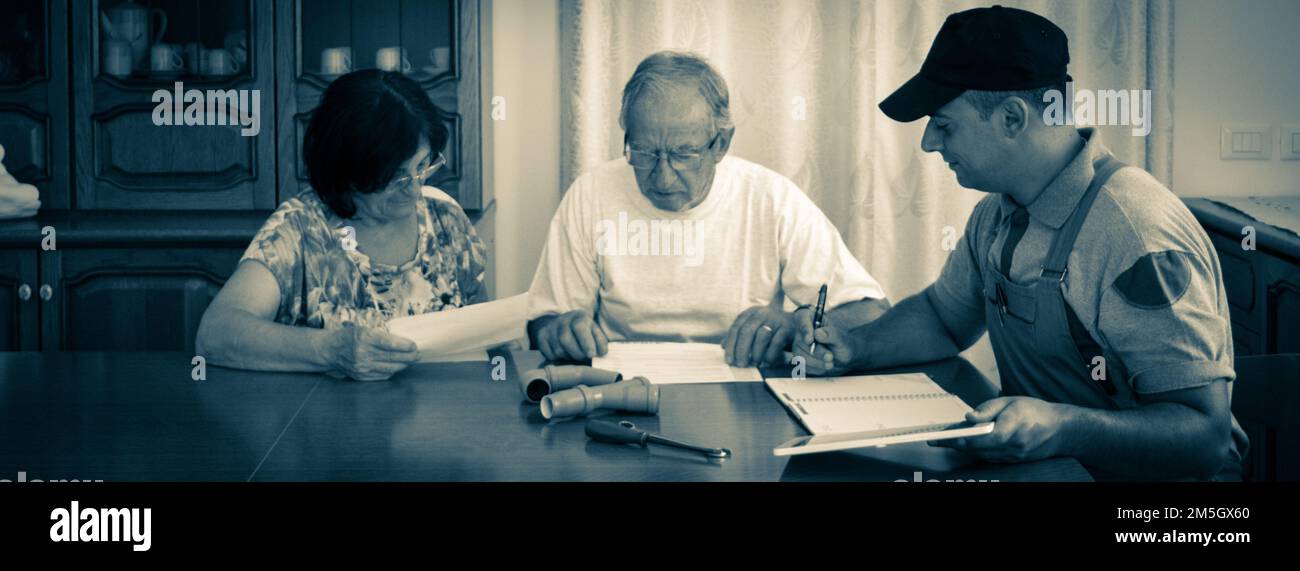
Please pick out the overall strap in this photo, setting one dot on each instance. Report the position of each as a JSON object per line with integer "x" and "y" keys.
{"x": 1054, "y": 265}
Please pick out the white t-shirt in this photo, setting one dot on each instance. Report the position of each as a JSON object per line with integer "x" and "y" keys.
{"x": 651, "y": 274}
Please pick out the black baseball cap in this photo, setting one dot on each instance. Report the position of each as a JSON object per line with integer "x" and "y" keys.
{"x": 986, "y": 49}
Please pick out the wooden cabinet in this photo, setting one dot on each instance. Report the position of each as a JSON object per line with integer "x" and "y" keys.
{"x": 1263, "y": 284}
{"x": 132, "y": 270}
{"x": 131, "y": 299}
{"x": 18, "y": 300}
{"x": 127, "y": 159}
{"x": 34, "y": 96}
{"x": 1282, "y": 290}
{"x": 427, "y": 31}
{"x": 115, "y": 281}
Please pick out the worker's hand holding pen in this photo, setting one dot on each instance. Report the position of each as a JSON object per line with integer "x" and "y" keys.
{"x": 834, "y": 350}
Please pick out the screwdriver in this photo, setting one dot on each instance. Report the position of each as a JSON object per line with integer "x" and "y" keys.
{"x": 624, "y": 432}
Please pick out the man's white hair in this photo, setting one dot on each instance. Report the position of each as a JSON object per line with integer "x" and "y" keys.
{"x": 664, "y": 70}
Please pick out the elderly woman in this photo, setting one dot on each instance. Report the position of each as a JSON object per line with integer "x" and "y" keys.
{"x": 367, "y": 242}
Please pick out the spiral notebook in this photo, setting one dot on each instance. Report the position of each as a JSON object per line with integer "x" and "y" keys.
{"x": 873, "y": 410}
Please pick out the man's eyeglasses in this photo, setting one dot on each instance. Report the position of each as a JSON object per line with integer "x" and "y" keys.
{"x": 419, "y": 177}
{"x": 679, "y": 160}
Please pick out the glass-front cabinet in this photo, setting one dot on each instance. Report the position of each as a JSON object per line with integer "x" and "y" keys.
{"x": 174, "y": 104}
{"x": 203, "y": 104}
{"x": 434, "y": 42}
{"x": 167, "y": 40}
{"x": 34, "y": 96}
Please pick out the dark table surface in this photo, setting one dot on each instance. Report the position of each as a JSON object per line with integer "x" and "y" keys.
{"x": 141, "y": 417}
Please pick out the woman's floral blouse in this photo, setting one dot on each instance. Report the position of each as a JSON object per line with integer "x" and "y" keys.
{"x": 325, "y": 281}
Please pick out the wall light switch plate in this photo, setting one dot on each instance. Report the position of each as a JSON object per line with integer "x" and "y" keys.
{"x": 1248, "y": 141}
{"x": 1290, "y": 141}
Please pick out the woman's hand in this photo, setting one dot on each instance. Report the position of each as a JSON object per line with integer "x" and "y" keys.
{"x": 369, "y": 353}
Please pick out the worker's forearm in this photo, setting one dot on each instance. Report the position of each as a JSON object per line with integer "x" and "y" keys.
{"x": 1157, "y": 440}
{"x": 858, "y": 313}
{"x": 908, "y": 333}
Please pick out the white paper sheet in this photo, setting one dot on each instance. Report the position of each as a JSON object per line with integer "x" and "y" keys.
{"x": 674, "y": 363}
{"x": 466, "y": 357}
{"x": 464, "y": 334}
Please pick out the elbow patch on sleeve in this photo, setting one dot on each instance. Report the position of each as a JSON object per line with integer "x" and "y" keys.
{"x": 1155, "y": 280}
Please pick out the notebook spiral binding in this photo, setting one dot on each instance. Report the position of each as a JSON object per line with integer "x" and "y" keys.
{"x": 911, "y": 396}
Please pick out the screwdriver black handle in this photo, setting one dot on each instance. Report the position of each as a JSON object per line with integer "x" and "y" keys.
{"x": 615, "y": 432}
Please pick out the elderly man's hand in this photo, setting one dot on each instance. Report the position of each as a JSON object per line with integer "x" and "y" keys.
{"x": 836, "y": 349}
{"x": 758, "y": 336}
{"x": 571, "y": 336}
{"x": 1024, "y": 428}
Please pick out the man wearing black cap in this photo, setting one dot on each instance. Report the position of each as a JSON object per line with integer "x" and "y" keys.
{"x": 1101, "y": 294}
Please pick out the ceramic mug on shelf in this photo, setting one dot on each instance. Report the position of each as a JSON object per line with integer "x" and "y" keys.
{"x": 116, "y": 58}
{"x": 221, "y": 62}
{"x": 195, "y": 56}
{"x": 392, "y": 58}
{"x": 441, "y": 58}
{"x": 236, "y": 43}
{"x": 165, "y": 57}
{"x": 336, "y": 61}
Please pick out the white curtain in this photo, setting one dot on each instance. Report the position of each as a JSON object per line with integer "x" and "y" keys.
{"x": 834, "y": 60}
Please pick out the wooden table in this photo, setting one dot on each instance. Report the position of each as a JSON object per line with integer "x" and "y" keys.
{"x": 140, "y": 417}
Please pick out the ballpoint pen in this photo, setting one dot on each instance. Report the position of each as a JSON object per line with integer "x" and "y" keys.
{"x": 818, "y": 316}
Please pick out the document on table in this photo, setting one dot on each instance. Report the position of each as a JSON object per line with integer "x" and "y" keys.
{"x": 480, "y": 356}
{"x": 674, "y": 363}
{"x": 466, "y": 333}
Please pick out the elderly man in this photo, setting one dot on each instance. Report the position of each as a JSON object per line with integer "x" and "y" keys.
{"x": 1101, "y": 294}
{"x": 677, "y": 241}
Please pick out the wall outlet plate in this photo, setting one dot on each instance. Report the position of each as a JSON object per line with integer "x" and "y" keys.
{"x": 1290, "y": 139}
{"x": 1246, "y": 141}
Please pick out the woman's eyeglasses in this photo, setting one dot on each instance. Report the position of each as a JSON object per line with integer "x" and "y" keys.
{"x": 419, "y": 177}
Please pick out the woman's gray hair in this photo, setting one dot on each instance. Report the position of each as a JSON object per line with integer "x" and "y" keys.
{"x": 662, "y": 70}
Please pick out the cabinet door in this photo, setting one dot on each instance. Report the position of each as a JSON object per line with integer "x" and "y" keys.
{"x": 137, "y": 299}
{"x": 1283, "y": 306}
{"x": 1244, "y": 342}
{"x": 18, "y": 300}
{"x": 181, "y": 118}
{"x": 34, "y": 96}
{"x": 440, "y": 43}
{"x": 1240, "y": 280}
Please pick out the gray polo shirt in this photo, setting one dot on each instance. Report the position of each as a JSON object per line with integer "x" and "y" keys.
{"x": 1143, "y": 279}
